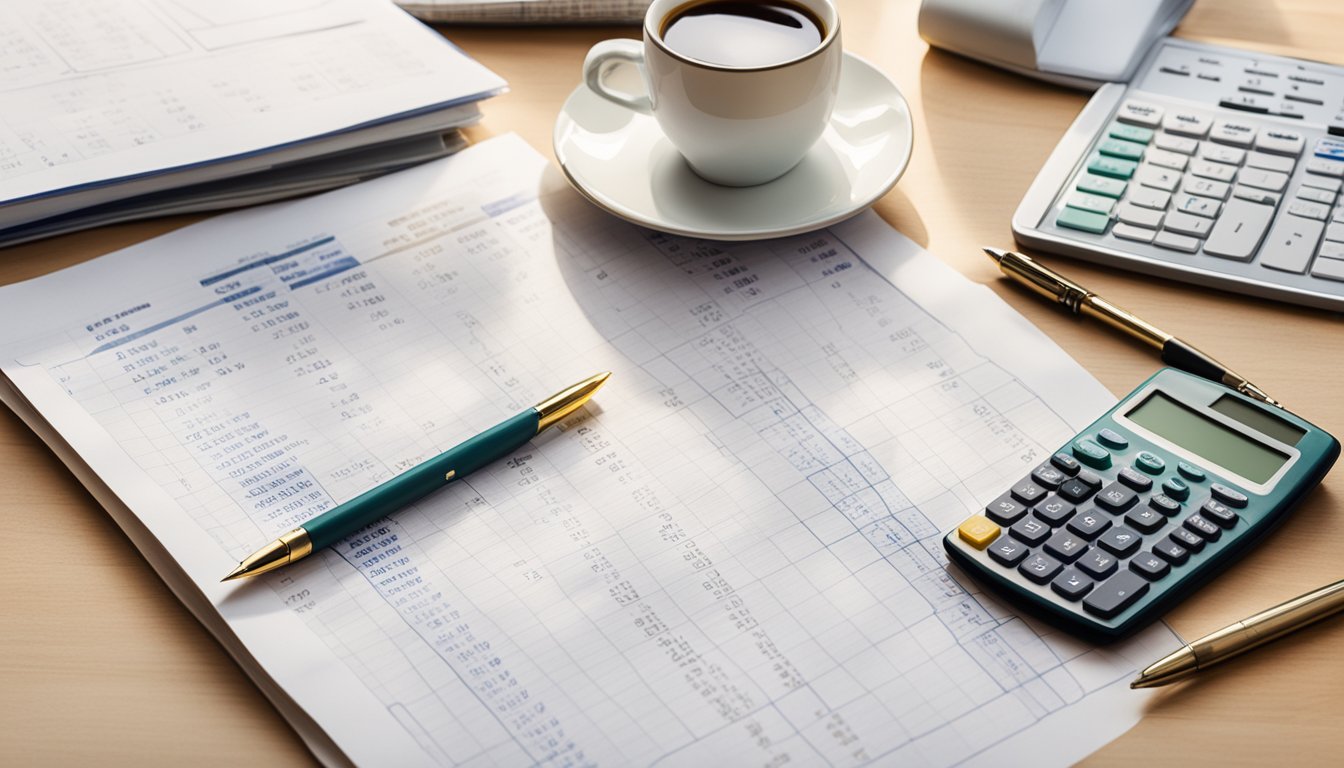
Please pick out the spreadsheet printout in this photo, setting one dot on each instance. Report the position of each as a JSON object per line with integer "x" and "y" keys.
{"x": 731, "y": 556}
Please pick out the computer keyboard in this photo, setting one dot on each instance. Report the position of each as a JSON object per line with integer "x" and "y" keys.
{"x": 1215, "y": 165}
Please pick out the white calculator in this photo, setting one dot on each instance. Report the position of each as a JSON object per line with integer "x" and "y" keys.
{"x": 1215, "y": 165}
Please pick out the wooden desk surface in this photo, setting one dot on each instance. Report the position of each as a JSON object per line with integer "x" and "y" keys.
{"x": 101, "y": 665}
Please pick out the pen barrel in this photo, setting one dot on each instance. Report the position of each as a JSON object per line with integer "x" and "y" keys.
{"x": 423, "y": 479}
{"x": 1179, "y": 354}
{"x": 1269, "y": 624}
{"x": 1123, "y": 320}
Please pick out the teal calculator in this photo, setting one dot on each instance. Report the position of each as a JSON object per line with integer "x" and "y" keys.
{"x": 1150, "y": 501}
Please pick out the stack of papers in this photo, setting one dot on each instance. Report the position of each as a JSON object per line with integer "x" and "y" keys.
{"x": 731, "y": 556}
{"x": 124, "y": 109}
{"x": 527, "y": 11}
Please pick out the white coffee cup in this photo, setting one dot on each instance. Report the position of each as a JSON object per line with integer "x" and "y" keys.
{"x": 736, "y": 126}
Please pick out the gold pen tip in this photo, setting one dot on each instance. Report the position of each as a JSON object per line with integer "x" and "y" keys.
{"x": 236, "y": 573}
{"x": 996, "y": 254}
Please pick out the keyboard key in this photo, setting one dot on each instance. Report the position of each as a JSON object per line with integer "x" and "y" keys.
{"x": 1291, "y": 244}
{"x": 1270, "y": 162}
{"x": 1303, "y": 99}
{"x": 1072, "y": 584}
{"x": 1098, "y": 564}
{"x": 1139, "y": 217}
{"x": 1237, "y": 233}
{"x": 1335, "y": 232}
{"x": 1126, "y": 150}
{"x": 1229, "y": 496}
{"x": 1111, "y": 166}
{"x": 1091, "y": 454}
{"x": 1171, "y": 551}
{"x": 1114, "y": 595}
{"x": 1116, "y": 498}
{"x": 1094, "y": 203}
{"x": 1221, "y": 154}
{"x": 1174, "y": 242}
{"x": 1140, "y": 113}
{"x": 1007, "y": 552}
{"x": 1257, "y": 196}
{"x": 1207, "y": 529}
{"x": 1048, "y": 475}
{"x": 978, "y": 531}
{"x": 1130, "y": 133}
{"x": 1245, "y": 102}
{"x": 1130, "y": 232}
{"x": 1150, "y": 462}
{"x": 1215, "y": 171}
{"x": 1135, "y": 480}
{"x": 1120, "y": 541}
{"x": 1066, "y": 546}
{"x": 1186, "y": 123}
{"x": 1206, "y": 188}
{"x": 1262, "y": 179}
{"x": 1083, "y": 220}
{"x": 1186, "y": 224}
{"x": 1219, "y": 513}
{"x": 1322, "y": 182}
{"x": 1039, "y": 568}
{"x": 1309, "y": 210}
{"x": 1056, "y": 511}
{"x": 1164, "y": 504}
{"x": 1150, "y": 566}
{"x": 1191, "y": 472}
{"x": 1030, "y": 531}
{"x": 1164, "y": 179}
{"x": 1089, "y": 524}
{"x": 1319, "y": 165}
{"x": 1065, "y": 463}
{"x": 1112, "y": 439}
{"x": 1148, "y": 197}
{"x": 1329, "y": 148}
{"x": 1164, "y": 159}
{"x": 1316, "y": 195}
{"x": 1331, "y": 250}
{"x": 1235, "y": 132}
{"x": 1028, "y": 492}
{"x": 1175, "y": 488}
{"x": 1188, "y": 539}
{"x": 1329, "y": 269}
{"x": 1281, "y": 142}
{"x": 1198, "y": 206}
{"x": 1173, "y": 143}
{"x": 1100, "y": 185}
{"x": 1005, "y": 510}
{"x": 1145, "y": 519}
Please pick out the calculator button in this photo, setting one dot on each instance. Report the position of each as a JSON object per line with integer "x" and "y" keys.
{"x": 1112, "y": 438}
{"x": 1072, "y": 584}
{"x": 1091, "y": 454}
{"x": 1150, "y": 566}
{"x": 1098, "y": 564}
{"x": 1145, "y": 519}
{"x": 1066, "y": 546}
{"x": 1030, "y": 531}
{"x": 1028, "y": 492}
{"x": 1120, "y": 541}
{"x": 1188, "y": 539}
{"x": 1065, "y": 463}
{"x": 1115, "y": 594}
{"x": 1130, "y": 133}
{"x": 1004, "y": 510}
{"x": 1171, "y": 551}
{"x": 978, "y": 531}
{"x": 1007, "y": 552}
{"x": 1204, "y": 527}
{"x": 1076, "y": 490}
{"x": 1228, "y": 496}
{"x": 1150, "y": 463}
{"x": 1089, "y": 524}
{"x": 1133, "y": 479}
{"x": 1164, "y": 504}
{"x": 1056, "y": 511}
{"x": 1049, "y": 476}
{"x": 1116, "y": 498}
{"x": 1039, "y": 568}
{"x": 1219, "y": 513}
{"x": 1176, "y": 488}
{"x": 1088, "y": 479}
{"x": 1191, "y": 472}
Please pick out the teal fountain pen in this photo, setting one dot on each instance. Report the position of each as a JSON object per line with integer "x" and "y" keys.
{"x": 416, "y": 483}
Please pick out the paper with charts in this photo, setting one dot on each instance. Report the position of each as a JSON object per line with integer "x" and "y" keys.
{"x": 731, "y": 557}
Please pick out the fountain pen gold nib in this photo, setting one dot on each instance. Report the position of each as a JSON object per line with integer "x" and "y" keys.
{"x": 292, "y": 546}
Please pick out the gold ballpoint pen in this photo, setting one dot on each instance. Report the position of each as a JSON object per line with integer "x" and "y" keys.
{"x": 1243, "y": 636}
{"x": 1079, "y": 300}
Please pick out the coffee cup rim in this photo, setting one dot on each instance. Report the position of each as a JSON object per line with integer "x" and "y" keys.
{"x": 656, "y": 37}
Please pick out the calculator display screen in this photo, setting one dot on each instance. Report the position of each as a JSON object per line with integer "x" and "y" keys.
{"x": 1206, "y": 438}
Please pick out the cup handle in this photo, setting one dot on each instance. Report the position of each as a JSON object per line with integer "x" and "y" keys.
{"x": 604, "y": 57}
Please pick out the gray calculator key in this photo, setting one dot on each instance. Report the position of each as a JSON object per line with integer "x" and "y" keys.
{"x": 1098, "y": 564}
{"x": 1007, "y": 552}
{"x": 1134, "y": 479}
{"x": 1055, "y": 511}
{"x": 1145, "y": 519}
{"x": 1030, "y": 531}
{"x": 1072, "y": 584}
{"x": 1116, "y": 498}
{"x": 1238, "y": 232}
{"x": 1150, "y": 566}
{"x": 1229, "y": 496}
{"x": 1028, "y": 492}
{"x": 1066, "y": 463}
{"x": 1171, "y": 551}
{"x": 1039, "y": 568}
{"x": 1089, "y": 523}
{"x": 1120, "y": 541}
{"x": 1066, "y": 546}
{"x": 1207, "y": 529}
{"x": 1188, "y": 539}
{"x": 1115, "y": 594}
{"x": 1049, "y": 476}
{"x": 1164, "y": 504}
{"x": 1075, "y": 490}
{"x": 1291, "y": 244}
{"x": 1005, "y": 510}
{"x": 1219, "y": 513}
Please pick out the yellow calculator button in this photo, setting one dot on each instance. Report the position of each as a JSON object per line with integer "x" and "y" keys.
{"x": 978, "y": 531}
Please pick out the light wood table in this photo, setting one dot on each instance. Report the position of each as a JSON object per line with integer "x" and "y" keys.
{"x": 99, "y": 664}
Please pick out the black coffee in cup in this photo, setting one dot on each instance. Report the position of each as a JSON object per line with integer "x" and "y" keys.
{"x": 741, "y": 33}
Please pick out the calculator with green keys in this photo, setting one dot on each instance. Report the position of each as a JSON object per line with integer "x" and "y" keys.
{"x": 1150, "y": 501}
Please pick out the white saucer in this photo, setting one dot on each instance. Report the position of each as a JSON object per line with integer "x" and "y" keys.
{"x": 621, "y": 161}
